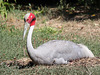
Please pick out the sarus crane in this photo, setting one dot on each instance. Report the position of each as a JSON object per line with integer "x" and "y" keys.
{"x": 54, "y": 51}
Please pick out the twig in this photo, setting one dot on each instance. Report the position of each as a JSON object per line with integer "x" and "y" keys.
{"x": 89, "y": 72}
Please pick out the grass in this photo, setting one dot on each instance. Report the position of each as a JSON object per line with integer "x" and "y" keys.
{"x": 51, "y": 70}
{"x": 12, "y": 46}
{"x": 11, "y": 41}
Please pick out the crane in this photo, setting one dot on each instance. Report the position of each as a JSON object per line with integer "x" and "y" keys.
{"x": 54, "y": 51}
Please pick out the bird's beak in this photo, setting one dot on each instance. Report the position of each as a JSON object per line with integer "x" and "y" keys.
{"x": 25, "y": 29}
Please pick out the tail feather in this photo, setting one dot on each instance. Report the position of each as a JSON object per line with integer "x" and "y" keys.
{"x": 87, "y": 52}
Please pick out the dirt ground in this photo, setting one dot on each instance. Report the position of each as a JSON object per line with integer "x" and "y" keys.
{"x": 24, "y": 62}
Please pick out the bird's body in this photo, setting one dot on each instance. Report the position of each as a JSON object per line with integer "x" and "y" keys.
{"x": 56, "y": 51}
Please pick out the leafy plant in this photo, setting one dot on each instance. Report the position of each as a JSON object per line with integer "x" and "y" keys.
{"x": 62, "y": 4}
{"x": 4, "y": 8}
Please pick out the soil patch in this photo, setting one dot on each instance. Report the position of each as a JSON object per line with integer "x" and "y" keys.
{"x": 27, "y": 62}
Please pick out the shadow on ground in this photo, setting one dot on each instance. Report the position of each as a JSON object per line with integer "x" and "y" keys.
{"x": 79, "y": 14}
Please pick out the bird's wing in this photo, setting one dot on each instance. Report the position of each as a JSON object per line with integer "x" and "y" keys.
{"x": 61, "y": 49}
{"x": 58, "y": 47}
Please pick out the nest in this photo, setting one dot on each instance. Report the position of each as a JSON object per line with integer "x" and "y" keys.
{"x": 23, "y": 62}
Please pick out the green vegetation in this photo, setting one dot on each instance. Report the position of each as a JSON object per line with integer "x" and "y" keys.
{"x": 54, "y": 70}
{"x": 12, "y": 45}
{"x": 5, "y": 7}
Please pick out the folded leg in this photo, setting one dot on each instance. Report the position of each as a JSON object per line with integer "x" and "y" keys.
{"x": 59, "y": 61}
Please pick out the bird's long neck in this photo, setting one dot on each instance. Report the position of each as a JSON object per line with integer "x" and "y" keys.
{"x": 30, "y": 48}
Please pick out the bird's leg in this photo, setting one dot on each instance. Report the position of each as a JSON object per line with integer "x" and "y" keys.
{"x": 59, "y": 61}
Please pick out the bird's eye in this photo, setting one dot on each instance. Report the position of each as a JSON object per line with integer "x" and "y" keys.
{"x": 27, "y": 19}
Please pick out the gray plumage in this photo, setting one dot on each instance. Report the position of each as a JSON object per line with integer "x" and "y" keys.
{"x": 60, "y": 52}
{"x": 55, "y": 51}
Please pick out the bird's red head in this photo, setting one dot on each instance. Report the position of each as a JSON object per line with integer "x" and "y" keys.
{"x": 30, "y": 18}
